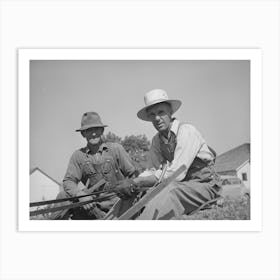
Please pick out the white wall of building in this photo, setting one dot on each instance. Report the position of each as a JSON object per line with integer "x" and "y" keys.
{"x": 42, "y": 187}
{"x": 245, "y": 169}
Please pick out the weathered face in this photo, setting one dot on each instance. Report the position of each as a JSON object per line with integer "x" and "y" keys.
{"x": 93, "y": 135}
{"x": 160, "y": 116}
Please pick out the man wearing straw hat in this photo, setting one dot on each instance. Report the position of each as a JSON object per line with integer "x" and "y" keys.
{"x": 97, "y": 161}
{"x": 176, "y": 143}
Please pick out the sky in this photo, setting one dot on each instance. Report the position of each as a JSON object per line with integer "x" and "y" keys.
{"x": 215, "y": 99}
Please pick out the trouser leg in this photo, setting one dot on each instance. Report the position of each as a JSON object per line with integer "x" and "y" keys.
{"x": 121, "y": 206}
{"x": 177, "y": 199}
{"x": 61, "y": 214}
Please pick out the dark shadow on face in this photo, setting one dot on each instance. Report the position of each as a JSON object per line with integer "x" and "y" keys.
{"x": 93, "y": 135}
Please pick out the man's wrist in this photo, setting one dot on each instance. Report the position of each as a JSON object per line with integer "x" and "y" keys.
{"x": 145, "y": 182}
{"x": 134, "y": 186}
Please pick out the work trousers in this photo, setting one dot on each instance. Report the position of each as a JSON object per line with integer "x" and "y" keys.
{"x": 177, "y": 199}
{"x": 201, "y": 185}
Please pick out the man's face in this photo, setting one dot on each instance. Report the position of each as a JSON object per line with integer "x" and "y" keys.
{"x": 93, "y": 135}
{"x": 160, "y": 116}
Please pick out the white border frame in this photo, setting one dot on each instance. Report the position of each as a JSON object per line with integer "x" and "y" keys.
{"x": 254, "y": 55}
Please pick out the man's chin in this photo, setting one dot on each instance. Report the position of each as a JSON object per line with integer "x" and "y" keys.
{"x": 94, "y": 141}
{"x": 161, "y": 129}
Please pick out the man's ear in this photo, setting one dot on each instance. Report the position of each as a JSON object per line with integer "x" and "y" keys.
{"x": 170, "y": 112}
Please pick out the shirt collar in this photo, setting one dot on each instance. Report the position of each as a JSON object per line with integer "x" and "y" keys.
{"x": 100, "y": 149}
{"x": 175, "y": 126}
{"x": 173, "y": 130}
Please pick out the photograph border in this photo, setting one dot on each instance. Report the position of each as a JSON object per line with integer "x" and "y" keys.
{"x": 255, "y": 58}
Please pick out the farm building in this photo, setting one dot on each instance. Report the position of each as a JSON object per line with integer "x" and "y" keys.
{"x": 235, "y": 164}
{"x": 42, "y": 186}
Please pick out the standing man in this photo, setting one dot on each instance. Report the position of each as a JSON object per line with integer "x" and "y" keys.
{"x": 97, "y": 161}
{"x": 175, "y": 144}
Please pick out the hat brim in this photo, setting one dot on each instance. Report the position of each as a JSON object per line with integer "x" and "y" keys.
{"x": 175, "y": 105}
{"x": 90, "y": 126}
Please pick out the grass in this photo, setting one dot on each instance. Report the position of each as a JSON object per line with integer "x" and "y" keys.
{"x": 226, "y": 209}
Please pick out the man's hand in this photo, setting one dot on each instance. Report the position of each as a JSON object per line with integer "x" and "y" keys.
{"x": 89, "y": 205}
{"x": 126, "y": 188}
{"x": 108, "y": 186}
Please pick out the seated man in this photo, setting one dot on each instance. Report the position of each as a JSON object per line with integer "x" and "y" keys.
{"x": 174, "y": 144}
{"x": 89, "y": 165}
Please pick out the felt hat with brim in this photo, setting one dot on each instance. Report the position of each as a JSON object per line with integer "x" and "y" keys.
{"x": 154, "y": 97}
{"x": 89, "y": 120}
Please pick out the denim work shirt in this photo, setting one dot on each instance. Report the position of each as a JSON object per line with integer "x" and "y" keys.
{"x": 76, "y": 168}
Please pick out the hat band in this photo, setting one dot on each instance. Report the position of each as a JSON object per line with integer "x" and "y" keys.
{"x": 156, "y": 101}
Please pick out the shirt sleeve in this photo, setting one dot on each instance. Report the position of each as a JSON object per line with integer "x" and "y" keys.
{"x": 73, "y": 175}
{"x": 124, "y": 161}
{"x": 189, "y": 142}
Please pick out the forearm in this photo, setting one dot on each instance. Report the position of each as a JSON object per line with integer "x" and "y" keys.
{"x": 128, "y": 186}
{"x": 70, "y": 187}
{"x": 147, "y": 181}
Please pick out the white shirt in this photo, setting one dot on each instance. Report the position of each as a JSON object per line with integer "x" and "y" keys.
{"x": 190, "y": 144}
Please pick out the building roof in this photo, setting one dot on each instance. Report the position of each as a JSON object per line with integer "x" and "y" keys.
{"x": 40, "y": 170}
{"x": 233, "y": 159}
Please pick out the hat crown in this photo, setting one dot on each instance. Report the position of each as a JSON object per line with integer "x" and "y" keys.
{"x": 90, "y": 119}
{"x": 155, "y": 96}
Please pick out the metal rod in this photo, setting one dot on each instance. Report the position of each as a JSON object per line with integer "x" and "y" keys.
{"x": 99, "y": 184}
{"x": 70, "y": 206}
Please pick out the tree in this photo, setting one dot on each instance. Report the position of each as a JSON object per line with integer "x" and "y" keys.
{"x": 136, "y": 144}
{"x": 137, "y": 147}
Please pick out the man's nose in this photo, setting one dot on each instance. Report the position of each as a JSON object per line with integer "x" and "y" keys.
{"x": 157, "y": 117}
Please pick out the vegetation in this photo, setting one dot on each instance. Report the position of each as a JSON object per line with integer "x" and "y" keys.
{"x": 226, "y": 209}
{"x": 136, "y": 146}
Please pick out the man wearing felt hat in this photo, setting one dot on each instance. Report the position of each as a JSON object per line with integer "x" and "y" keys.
{"x": 95, "y": 162}
{"x": 175, "y": 143}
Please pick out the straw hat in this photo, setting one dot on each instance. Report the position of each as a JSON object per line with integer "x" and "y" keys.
{"x": 156, "y": 96}
{"x": 90, "y": 119}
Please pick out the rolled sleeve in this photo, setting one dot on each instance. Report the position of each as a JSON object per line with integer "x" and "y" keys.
{"x": 158, "y": 173}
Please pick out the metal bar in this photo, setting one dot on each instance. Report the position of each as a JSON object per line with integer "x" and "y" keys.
{"x": 70, "y": 206}
{"x": 97, "y": 185}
